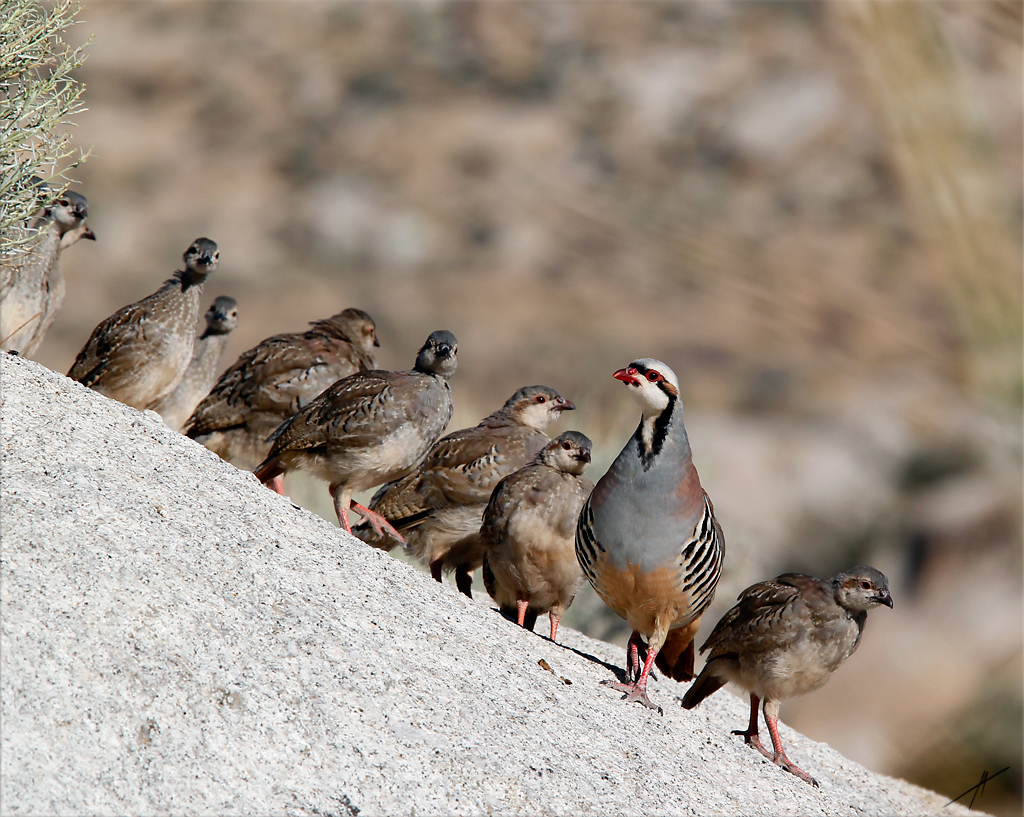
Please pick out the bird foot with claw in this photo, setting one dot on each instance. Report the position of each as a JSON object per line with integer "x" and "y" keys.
{"x": 634, "y": 694}
{"x": 751, "y": 739}
{"x": 380, "y": 525}
{"x": 787, "y": 764}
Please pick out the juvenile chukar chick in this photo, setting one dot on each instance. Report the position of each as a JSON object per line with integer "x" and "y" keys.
{"x": 201, "y": 374}
{"x": 529, "y": 564}
{"x": 368, "y": 428}
{"x": 60, "y": 224}
{"x": 647, "y": 538}
{"x": 33, "y": 291}
{"x": 276, "y": 378}
{"x": 785, "y": 638}
{"x": 439, "y": 506}
{"x": 139, "y": 353}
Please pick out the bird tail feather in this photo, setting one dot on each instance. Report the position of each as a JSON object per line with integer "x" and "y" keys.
{"x": 705, "y": 685}
{"x": 267, "y": 470}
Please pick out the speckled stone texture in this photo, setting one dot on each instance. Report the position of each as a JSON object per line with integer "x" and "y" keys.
{"x": 179, "y": 639}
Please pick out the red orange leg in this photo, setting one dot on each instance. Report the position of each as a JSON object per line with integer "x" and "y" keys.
{"x": 554, "y": 625}
{"x": 341, "y": 508}
{"x": 637, "y": 692}
{"x": 378, "y": 522}
{"x": 521, "y": 607}
{"x": 780, "y": 758}
{"x": 750, "y": 736}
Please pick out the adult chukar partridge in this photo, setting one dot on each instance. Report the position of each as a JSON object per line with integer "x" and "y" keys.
{"x": 221, "y": 320}
{"x": 786, "y": 637}
{"x": 139, "y": 353}
{"x": 276, "y": 378}
{"x": 438, "y": 507}
{"x": 32, "y": 286}
{"x": 529, "y": 563}
{"x": 368, "y": 428}
{"x": 647, "y": 538}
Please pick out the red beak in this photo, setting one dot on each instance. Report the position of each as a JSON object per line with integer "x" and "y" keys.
{"x": 626, "y": 376}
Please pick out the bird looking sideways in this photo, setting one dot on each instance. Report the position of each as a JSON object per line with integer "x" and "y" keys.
{"x": 368, "y": 428}
{"x": 647, "y": 538}
{"x": 32, "y": 284}
{"x": 439, "y": 506}
{"x": 276, "y": 378}
{"x": 139, "y": 353}
{"x": 786, "y": 637}
{"x": 221, "y": 320}
{"x": 529, "y": 563}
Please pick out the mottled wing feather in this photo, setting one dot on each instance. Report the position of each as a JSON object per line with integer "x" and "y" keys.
{"x": 122, "y": 329}
{"x": 362, "y": 408}
{"x": 273, "y": 376}
{"x": 498, "y": 512}
{"x": 764, "y": 609}
{"x": 459, "y": 470}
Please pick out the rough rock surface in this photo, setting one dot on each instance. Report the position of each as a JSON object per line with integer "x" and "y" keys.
{"x": 177, "y": 638}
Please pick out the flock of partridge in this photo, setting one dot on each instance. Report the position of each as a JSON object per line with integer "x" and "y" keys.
{"x": 501, "y": 496}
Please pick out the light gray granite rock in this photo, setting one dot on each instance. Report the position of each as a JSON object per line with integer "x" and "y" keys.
{"x": 179, "y": 639}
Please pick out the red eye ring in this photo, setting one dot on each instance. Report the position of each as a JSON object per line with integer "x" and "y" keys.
{"x": 653, "y": 377}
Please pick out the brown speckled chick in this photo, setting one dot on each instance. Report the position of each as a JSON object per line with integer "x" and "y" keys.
{"x": 528, "y": 533}
{"x": 276, "y": 378}
{"x": 32, "y": 283}
{"x": 438, "y": 508}
{"x": 785, "y": 638}
{"x": 201, "y": 374}
{"x": 139, "y": 353}
{"x": 368, "y": 428}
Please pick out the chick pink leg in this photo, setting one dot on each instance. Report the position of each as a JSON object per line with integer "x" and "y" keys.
{"x": 341, "y": 500}
{"x": 750, "y": 736}
{"x": 377, "y": 522}
{"x": 780, "y": 758}
{"x": 522, "y": 605}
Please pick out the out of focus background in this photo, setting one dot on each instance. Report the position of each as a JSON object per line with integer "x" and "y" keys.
{"x": 811, "y": 211}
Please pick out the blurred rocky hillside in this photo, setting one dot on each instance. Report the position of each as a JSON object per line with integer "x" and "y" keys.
{"x": 568, "y": 186}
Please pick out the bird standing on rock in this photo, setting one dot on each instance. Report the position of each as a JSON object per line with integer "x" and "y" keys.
{"x": 368, "y": 428}
{"x": 32, "y": 284}
{"x": 786, "y": 637}
{"x": 529, "y": 564}
{"x": 276, "y": 378}
{"x": 201, "y": 374}
{"x": 139, "y": 353}
{"x": 439, "y": 506}
{"x": 647, "y": 538}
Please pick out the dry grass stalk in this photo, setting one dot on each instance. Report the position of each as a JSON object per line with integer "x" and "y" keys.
{"x": 947, "y": 170}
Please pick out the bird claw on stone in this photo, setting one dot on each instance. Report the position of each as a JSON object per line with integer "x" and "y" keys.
{"x": 785, "y": 763}
{"x": 634, "y": 695}
{"x": 380, "y": 525}
{"x": 751, "y": 739}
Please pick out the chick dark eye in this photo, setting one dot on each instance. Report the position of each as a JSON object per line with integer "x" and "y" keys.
{"x": 566, "y": 446}
{"x": 541, "y": 399}
{"x": 865, "y": 585}
{"x": 654, "y": 377}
